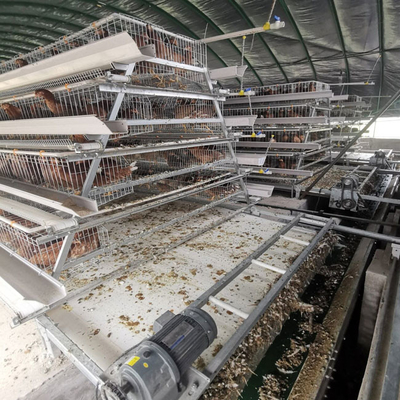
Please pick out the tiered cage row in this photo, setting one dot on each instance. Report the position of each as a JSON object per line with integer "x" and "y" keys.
{"x": 291, "y": 132}
{"x": 347, "y": 118}
{"x": 152, "y": 128}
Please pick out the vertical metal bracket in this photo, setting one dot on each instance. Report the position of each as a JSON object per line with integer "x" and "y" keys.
{"x": 87, "y": 186}
{"x": 62, "y": 256}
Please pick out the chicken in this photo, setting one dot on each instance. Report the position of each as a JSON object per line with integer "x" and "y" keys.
{"x": 70, "y": 175}
{"x": 311, "y": 87}
{"x": 84, "y": 242}
{"x": 281, "y": 163}
{"x": 314, "y": 136}
{"x": 21, "y": 62}
{"x": 296, "y": 139}
{"x": 97, "y": 110}
{"x": 285, "y": 137}
{"x": 36, "y": 110}
{"x": 160, "y": 45}
{"x": 25, "y": 170}
{"x": 12, "y": 111}
{"x": 101, "y": 33}
{"x": 111, "y": 172}
{"x": 205, "y": 155}
{"x": 58, "y": 109}
{"x": 302, "y": 138}
{"x": 193, "y": 111}
{"x": 78, "y": 138}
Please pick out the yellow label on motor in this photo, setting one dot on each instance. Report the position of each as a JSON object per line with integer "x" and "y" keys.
{"x": 133, "y": 361}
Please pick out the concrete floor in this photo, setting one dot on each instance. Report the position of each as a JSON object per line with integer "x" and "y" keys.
{"x": 27, "y": 373}
{"x": 25, "y": 366}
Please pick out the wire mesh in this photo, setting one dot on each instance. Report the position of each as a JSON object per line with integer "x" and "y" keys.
{"x": 285, "y": 136}
{"x": 44, "y": 255}
{"x": 168, "y": 46}
{"x": 115, "y": 176}
{"x": 167, "y": 77}
{"x": 86, "y": 100}
{"x": 285, "y": 88}
{"x": 282, "y": 111}
{"x": 197, "y": 179}
{"x": 63, "y": 175}
{"x": 159, "y": 163}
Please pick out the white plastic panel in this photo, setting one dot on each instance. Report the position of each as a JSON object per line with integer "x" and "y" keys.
{"x": 251, "y": 159}
{"x": 83, "y": 125}
{"x": 120, "y": 48}
{"x": 228, "y": 72}
{"x": 26, "y": 289}
{"x": 243, "y": 120}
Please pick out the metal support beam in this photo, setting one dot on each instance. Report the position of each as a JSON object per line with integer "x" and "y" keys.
{"x": 72, "y": 351}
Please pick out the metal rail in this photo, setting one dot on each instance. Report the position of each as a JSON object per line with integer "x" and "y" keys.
{"x": 229, "y": 348}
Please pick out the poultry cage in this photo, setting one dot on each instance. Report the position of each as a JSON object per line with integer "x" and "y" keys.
{"x": 169, "y": 46}
{"x": 116, "y": 175}
{"x": 291, "y": 131}
{"x": 286, "y": 88}
{"x": 283, "y": 114}
{"x": 139, "y": 117}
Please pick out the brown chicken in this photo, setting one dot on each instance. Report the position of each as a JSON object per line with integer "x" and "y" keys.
{"x": 192, "y": 111}
{"x": 155, "y": 38}
{"x": 302, "y": 138}
{"x": 101, "y": 33}
{"x": 97, "y": 110}
{"x": 84, "y": 242}
{"x": 71, "y": 175}
{"x": 21, "y": 62}
{"x": 111, "y": 172}
{"x": 285, "y": 137}
{"x": 281, "y": 163}
{"x": 12, "y": 111}
{"x": 296, "y": 139}
{"x": 25, "y": 170}
{"x": 205, "y": 155}
{"x": 53, "y": 105}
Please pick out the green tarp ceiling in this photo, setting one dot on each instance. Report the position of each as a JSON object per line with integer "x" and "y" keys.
{"x": 322, "y": 40}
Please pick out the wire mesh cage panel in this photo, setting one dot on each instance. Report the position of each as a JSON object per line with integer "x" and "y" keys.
{"x": 285, "y": 136}
{"x": 87, "y": 100}
{"x": 63, "y": 175}
{"x": 194, "y": 180}
{"x": 285, "y": 88}
{"x": 164, "y": 162}
{"x": 282, "y": 161}
{"x": 168, "y": 46}
{"x": 39, "y": 141}
{"x": 346, "y": 112}
{"x": 44, "y": 255}
{"x": 283, "y": 111}
{"x": 179, "y": 115}
{"x": 167, "y": 77}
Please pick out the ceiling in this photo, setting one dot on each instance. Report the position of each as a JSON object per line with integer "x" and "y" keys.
{"x": 322, "y": 38}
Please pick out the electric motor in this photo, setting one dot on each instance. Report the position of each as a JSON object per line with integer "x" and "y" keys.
{"x": 155, "y": 368}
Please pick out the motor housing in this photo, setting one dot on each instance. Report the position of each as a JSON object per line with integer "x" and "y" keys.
{"x": 345, "y": 194}
{"x": 156, "y": 366}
